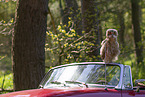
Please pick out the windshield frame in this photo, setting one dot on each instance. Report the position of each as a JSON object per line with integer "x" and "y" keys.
{"x": 119, "y": 86}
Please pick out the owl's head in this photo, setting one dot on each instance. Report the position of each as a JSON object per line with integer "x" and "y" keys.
{"x": 112, "y": 33}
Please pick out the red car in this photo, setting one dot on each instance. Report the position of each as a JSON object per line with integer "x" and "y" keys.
{"x": 87, "y": 79}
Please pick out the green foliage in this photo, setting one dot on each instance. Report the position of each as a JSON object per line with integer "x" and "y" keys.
{"x": 65, "y": 46}
{"x": 5, "y": 44}
{"x": 7, "y": 10}
{"x": 6, "y": 81}
{"x": 6, "y": 27}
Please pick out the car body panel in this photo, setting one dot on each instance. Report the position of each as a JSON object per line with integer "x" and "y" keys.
{"x": 30, "y": 93}
{"x": 133, "y": 93}
{"x": 74, "y": 92}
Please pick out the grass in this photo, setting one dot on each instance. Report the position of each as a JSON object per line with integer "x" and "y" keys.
{"x": 7, "y": 80}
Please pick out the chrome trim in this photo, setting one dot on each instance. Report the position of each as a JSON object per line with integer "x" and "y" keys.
{"x": 130, "y": 76}
{"x": 124, "y": 66}
{"x": 119, "y": 86}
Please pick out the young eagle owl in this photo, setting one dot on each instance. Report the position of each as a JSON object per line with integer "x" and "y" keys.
{"x": 110, "y": 47}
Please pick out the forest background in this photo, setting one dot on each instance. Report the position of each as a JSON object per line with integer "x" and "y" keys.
{"x": 69, "y": 40}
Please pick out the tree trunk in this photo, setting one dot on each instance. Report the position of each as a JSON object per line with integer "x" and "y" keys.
{"x": 64, "y": 14}
{"x": 72, "y": 7}
{"x": 28, "y": 54}
{"x": 136, "y": 30}
{"x": 90, "y": 21}
{"x": 122, "y": 28}
{"x": 73, "y": 11}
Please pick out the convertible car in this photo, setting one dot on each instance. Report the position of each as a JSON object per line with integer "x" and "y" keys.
{"x": 86, "y": 79}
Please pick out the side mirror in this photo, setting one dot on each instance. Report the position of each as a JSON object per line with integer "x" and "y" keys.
{"x": 140, "y": 83}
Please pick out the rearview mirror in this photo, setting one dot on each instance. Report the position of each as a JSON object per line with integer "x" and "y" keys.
{"x": 141, "y": 84}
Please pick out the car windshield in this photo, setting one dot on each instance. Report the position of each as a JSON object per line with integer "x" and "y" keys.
{"x": 91, "y": 75}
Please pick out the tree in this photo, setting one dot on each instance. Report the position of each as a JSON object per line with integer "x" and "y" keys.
{"x": 136, "y": 30}
{"x": 122, "y": 28}
{"x": 90, "y": 21}
{"x": 28, "y": 41}
{"x": 72, "y": 11}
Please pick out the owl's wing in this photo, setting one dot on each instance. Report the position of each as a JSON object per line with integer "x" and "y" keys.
{"x": 102, "y": 51}
{"x": 103, "y": 55}
{"x": 104, "y": 41}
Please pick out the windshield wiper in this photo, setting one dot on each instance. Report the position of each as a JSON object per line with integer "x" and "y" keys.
{"x": 56, "y": 82}
{"x": 77, "y": 82}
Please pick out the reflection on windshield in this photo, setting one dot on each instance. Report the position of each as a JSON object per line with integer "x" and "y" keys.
{"x": 90, "y": 74}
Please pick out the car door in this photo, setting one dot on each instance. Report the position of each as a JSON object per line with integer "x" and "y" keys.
{"x": 133, "y": 93}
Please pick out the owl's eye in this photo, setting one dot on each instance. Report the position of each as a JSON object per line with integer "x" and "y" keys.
{"x": 109, "y": 32}
{"x": 114, "y": 33}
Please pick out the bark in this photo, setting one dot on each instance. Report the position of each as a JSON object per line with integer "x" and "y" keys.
{"x": 28, "y": 54}
{"x": 63, "y": 13}
{"x": 90, "y": 21}
{"x": 122, "y": 28}
{"x": 74, "y": 12}
{"x": 72, "y": 7}
{"x": 136, "y": 30}
{"x": 71, "y": 10}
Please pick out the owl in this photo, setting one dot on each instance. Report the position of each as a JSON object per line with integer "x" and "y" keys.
{"x": 110, "y": 47}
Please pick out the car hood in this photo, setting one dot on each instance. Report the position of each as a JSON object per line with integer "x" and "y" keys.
{"x": 31, "y": 93}
{"x": 53, "y": 92}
